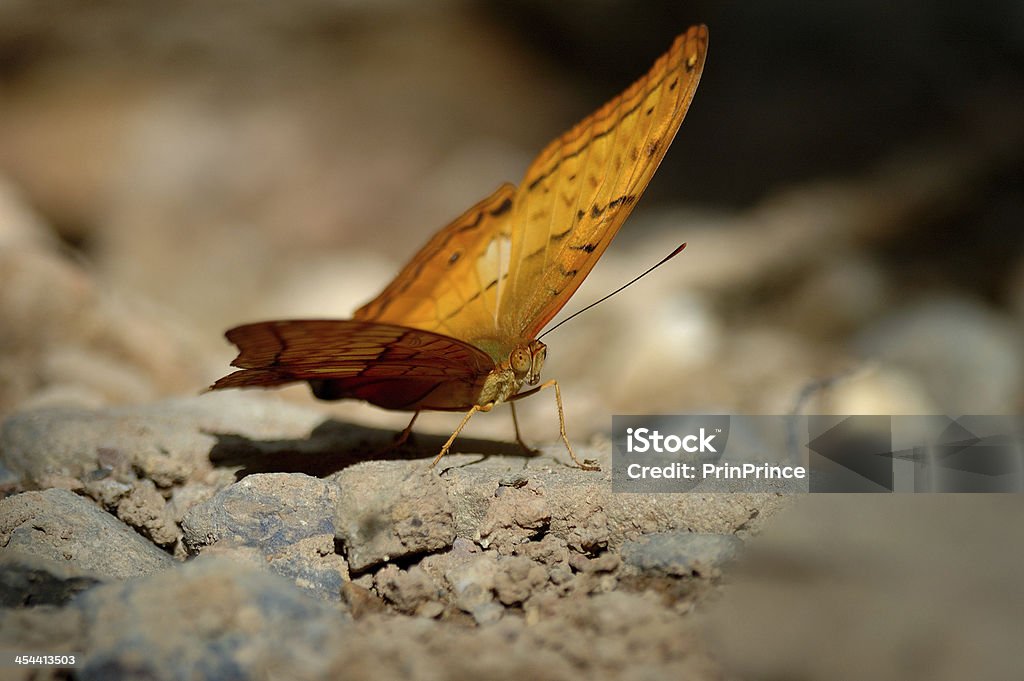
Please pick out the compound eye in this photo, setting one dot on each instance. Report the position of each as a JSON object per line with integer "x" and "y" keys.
{"x": 520, "y": 361}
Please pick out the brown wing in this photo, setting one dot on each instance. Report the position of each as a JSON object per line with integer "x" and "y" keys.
{"x": 393, "y": 367}
{"x": 579, "y": 190}
{"x": 451, "y": 285}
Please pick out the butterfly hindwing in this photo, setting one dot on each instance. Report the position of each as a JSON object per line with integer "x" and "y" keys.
{"x": 394, "y": 367}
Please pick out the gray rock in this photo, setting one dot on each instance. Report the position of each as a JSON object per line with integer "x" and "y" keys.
{"x": 213, "y": 618}
{"x": 288, "y": 517}
{"x": 168, "y": 442}
{"x": 74, "y": 442}
{"x": 63, "y": 527}
{"x": 680, "y": 554}
{"x": 27, "y": 580}
{"x": 581, "y": 508}
{"x": 391, "y": 509}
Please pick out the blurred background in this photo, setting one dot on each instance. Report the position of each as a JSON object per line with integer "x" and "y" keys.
{"x": 850, "y": 180}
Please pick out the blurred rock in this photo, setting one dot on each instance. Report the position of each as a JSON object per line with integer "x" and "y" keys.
{"x": 1015, "y": 291}
{"x": 840, "y": 296}
{"x": 64, "y": 332}
{"x": 680, "y": 554}
{"x": 968, "y": 356}
{"x": 210, "y": 618}
{"x": 63, "y": 527}
{"x": 874, "y": 388}
{"x": 29, "y": 580}
{"x": 390, "y": 510}
{"x": 906, "y": 587}
{"x": 41, "y": 628}
{"x": 19, "y": 225}
{"x": 287, "y": 517}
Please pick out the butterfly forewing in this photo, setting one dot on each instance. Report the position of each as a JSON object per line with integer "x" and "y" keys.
{"x": 451, "y": 285}
{"x": 502, "y": 270}
{"x": 581, "y": 188}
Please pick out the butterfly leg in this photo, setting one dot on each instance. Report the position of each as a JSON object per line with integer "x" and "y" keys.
{"x": 403, "y": 437}
{"x": 465, "y": 419}
{"x": 587, "y": 465}
{"x": 530, "y": 451}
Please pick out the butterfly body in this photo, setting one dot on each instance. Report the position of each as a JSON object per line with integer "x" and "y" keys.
{"x": 456, "y": 330}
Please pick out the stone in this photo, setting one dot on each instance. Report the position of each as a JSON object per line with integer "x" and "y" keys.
{"x": 287, "y": 517}
{"x": 411, "y": 591}
{"x": 63, "y": 527}
{"x": 908, "y": 587}
{"x": 517, "y": 578}
{"x": 28, "y": 580}
{"x": 680, "y": 554}
{"x": 211, "y": 618}
{"x": 389, "y": 510}
{"x": 967, "y": 355}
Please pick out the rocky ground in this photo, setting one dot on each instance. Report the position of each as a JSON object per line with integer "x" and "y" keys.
{"x": 154, "y": 193}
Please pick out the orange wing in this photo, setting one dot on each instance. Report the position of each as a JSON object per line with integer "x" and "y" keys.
{"x": 582, "y": 187}
{"x": 502, "y": 270}
{"x": 393, "y": 367}
{"x": 451, "y": 285}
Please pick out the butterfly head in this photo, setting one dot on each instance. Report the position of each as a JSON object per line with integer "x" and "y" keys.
{"x": 526, "y": 361}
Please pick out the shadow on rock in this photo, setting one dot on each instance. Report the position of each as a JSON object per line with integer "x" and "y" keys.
{"x": 335, "y": 445}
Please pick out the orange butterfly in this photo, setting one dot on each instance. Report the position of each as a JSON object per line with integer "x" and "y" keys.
{"x": 456, "y": 330}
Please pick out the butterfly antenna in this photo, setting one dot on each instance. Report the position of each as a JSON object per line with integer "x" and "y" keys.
{"x": 624, "y": 286}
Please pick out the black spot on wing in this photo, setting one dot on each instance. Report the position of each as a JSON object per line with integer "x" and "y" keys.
{"x": 654, "y": 86}
{"x": 505, "y": 206}
{"x": 561, "y": 235}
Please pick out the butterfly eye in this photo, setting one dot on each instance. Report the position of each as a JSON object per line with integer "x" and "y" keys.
{"x": 520, "y": 361}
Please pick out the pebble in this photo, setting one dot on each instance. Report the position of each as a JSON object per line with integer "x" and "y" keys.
{"x": 680, "y": 554}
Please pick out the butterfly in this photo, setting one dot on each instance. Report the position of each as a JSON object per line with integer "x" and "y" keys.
{"x": 457, "y": 329}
